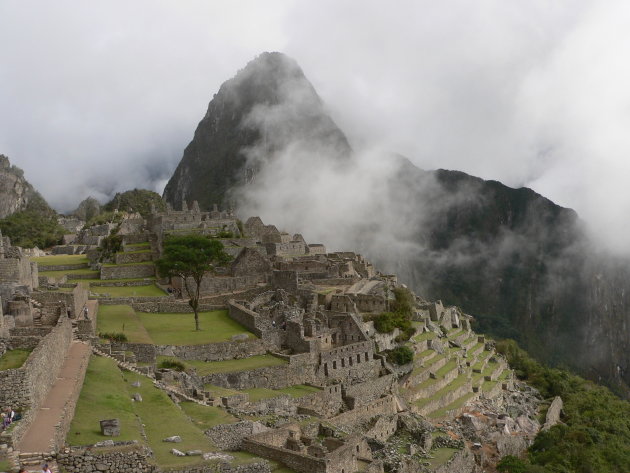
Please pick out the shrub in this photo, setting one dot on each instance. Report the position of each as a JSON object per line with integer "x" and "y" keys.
{"x": 114, "y": 337}
{"x": 401, "y": 355}
{"x": 172, "y": 365}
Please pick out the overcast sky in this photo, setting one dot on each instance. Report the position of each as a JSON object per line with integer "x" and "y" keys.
{"x": 104, "y": 96}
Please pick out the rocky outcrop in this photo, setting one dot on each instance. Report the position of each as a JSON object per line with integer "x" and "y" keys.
{"x": 266, "y": 106}
{"x": 16, "y": 194}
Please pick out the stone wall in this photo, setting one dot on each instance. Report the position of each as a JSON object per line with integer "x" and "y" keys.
{"x": 247, "y": 318}
{"x": 169, "y": 305}
{"x": 383, "y": 406}
{"x": 126, "y": 272}
{"x": 231, "y": 436}
{"x": 18, "y": 271}
{"x": 326, "y": 403}
{"x": 133, "y": 257}
{"x": 360, "y": 394}
{"x": 215, "y": 351}
{"x": 25, "y": 388}
{"x": 274, "y": 377}
{"x": 211, "y": 286}
{"x": 132, "y": 458}
{"x": 294, "y": 460}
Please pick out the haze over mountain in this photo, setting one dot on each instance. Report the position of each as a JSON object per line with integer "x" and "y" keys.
{"x": 523, "y": 265}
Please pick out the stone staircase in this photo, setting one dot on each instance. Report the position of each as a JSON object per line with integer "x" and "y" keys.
{"x": 130, "y": 367}
{"x": 33, "y": 462}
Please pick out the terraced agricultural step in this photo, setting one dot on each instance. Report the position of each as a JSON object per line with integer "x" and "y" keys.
{"x": 454, "y": 408}
{"x": 447, "y": 374}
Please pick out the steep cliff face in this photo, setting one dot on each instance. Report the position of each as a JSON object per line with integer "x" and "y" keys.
{"x": 16, "y": 194}
{"x": 267, "y": 106}
{"x": 520, "y": 264}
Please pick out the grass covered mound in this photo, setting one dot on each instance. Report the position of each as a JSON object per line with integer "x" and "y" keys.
{"x": 594, "y": 436}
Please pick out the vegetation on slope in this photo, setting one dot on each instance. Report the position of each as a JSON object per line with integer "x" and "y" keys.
{"x": 31, "y": 228}
{"x": 594, "y": 436}
{"x": 136, "y": 200}
{"x": 399, "y": 316}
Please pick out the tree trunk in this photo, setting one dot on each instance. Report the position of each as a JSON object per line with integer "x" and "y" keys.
{"x": 196, "y": 319}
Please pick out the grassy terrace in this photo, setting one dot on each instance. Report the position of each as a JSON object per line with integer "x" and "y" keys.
{"x": 456, "y": 383}
{"x": 454, "y": 405}
{"x": 60, "y": 260}
{"x": 128, "y": 291}
{"x": 424, "y": 336}
{"x": 122, "y": 319}
{"x": 482, "y": 359}
{"x": 107, "y": 394}
{"x": 148, "y": 279}
{"x": 144, "y": 263}
{"x": 427, "y": 365}
{"x": 69, "y": 272}
{"x": 13, "y": 359}
{"x": 179, "y": 329}
{"x": 167, "y": 329}
{"x": 297, "y": 391}
{"x": 441, "y": 456}
{"x": 219, "y": 391}
{"x": 144, "y": 244}
{"x": 205, "y": 417}
{"x": 204, "y": 368}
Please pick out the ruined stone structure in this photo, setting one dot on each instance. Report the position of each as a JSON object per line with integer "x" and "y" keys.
{"x": 312, "y": 311}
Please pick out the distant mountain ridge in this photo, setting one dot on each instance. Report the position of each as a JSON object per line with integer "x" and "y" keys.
{"x": 515, "y": 260}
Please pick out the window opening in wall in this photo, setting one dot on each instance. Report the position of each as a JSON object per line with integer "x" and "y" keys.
{"x": 359, "y": 358}
{"x": 343, "y": 362}
{"x": 334, "y": 365}
{"x": 366, "y": 357}
{"x": 326, "y": 369}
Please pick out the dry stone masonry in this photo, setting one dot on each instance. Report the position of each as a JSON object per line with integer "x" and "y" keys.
{"x": 333, "y": 402}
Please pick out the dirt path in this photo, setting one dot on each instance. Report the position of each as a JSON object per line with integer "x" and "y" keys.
{"x": 39, "y": 436}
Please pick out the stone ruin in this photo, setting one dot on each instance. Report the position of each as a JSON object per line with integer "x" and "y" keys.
{"x": 315, "y": 310}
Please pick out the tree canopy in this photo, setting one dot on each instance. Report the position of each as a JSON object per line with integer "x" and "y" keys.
{"x": 191, "y": 257}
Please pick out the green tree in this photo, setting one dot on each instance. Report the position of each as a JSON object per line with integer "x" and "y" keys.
{"x": 191, "y": 257}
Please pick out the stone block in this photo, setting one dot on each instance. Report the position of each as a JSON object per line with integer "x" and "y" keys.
{"x": 110, "y": 427}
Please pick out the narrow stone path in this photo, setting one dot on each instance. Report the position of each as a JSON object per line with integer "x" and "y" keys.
{"x": 40, "y": 435}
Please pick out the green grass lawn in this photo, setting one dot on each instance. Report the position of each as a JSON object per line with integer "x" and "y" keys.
{"x": 121, "y": 319}
{"x": 204, "y": 368}
{"x": 179, "y": 329}
{"x": 143, "y": 263}
{"x": 4, "y": 465}
{"x": 162, "y": 418}
{"x": 60, "y": 260}
{"x": 441, "y": 456}
{"x": 128, "y": 291}
{"x": 205, "y": 417}
{"x": 107, "y": 394}
{"x": 148, "y": 279}
{"x": 144, "y": 244}
{"x": 424, "y": 336}
{"x": 69, "y": 272}
{"x": 13, "y": 359}
{"x": 454, "y": 405}
{"x": 218, "y": 391}
{"x": 103, "y": 396}
{"x": 297, "y": 391}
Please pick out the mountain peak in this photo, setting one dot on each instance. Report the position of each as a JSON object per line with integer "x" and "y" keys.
{"x": 265, "y": 108}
